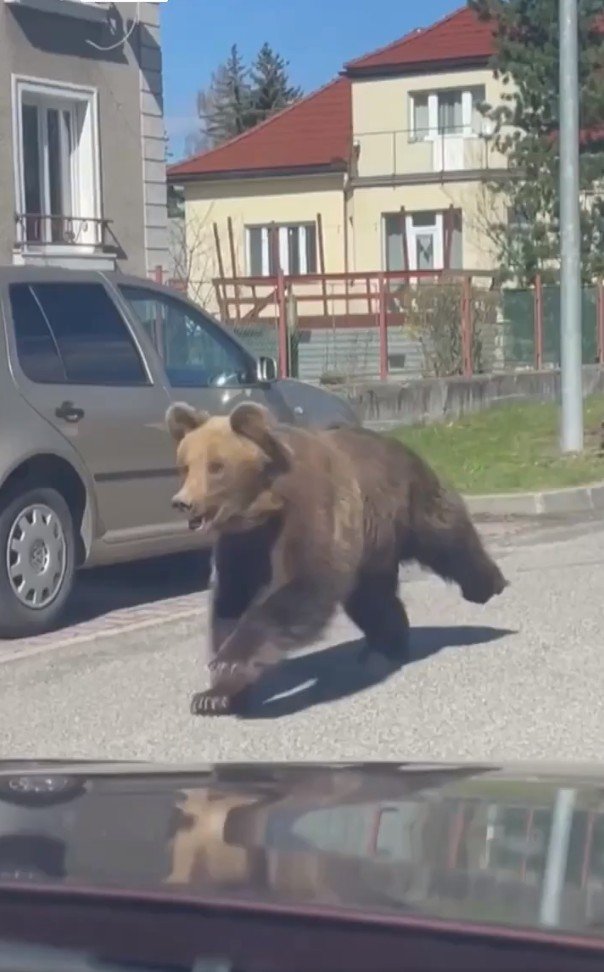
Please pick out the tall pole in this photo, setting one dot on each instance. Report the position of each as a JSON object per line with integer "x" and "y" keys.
{"x": 571, "y": 428}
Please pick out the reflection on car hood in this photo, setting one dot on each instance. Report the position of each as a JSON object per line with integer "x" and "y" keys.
{"x": 474, "y": 843}
{"x": 314, "y": 405}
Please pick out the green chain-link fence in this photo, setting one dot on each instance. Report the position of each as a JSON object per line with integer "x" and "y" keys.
{"x": 518, "y": 327}
{"x": 551, "y": 325}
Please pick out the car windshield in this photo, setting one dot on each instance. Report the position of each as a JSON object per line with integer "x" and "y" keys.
{"x": 194, "y": 350}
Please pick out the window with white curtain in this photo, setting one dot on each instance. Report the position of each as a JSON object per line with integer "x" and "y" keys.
{"x": 290, "y": 247}
{"x": 56, "y": 163}
{"x": 449, "y": 111}
{"x": 421, "y": 117}
{"x": 450, "y": 117}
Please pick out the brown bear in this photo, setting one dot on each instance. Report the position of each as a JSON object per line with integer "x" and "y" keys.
{"x": 302, "y": 521}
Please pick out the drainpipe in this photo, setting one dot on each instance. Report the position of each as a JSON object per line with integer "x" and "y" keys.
{"x": 345, "y": 200}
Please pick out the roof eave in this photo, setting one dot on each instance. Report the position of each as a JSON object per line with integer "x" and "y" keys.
{"x": 418, "y": 67}
{"x": 230, "y": 175}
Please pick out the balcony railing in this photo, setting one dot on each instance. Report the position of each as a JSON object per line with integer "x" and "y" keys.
{"x": 95, "y": 12}
{"x": 37, "y": 229}
{"x": 405, "y": 154}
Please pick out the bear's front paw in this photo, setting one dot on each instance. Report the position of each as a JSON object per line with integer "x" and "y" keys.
{"x": 222, "y": 668}
{"x": 210, "y": 703}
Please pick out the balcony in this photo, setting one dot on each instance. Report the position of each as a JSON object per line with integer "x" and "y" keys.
{"x": 402, "y": 156}
{"x": 72, "y": 241}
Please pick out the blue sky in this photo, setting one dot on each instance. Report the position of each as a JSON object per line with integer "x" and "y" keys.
{"x": 315, "y": 36}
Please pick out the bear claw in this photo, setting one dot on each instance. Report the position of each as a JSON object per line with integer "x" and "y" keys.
{"x": 210, "y": 704}
{"x": 223, "y": 668}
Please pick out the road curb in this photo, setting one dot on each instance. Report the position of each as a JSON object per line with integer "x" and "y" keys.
{"x": 549, "y": 502}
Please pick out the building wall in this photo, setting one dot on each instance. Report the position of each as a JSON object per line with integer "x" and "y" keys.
{"x": 382, "y": 124}
{"x": 55, "y": 48}
{"x": 369, "y": 204}
{"x": 298, "y": 200}
{"x": 382, "y": 120}
{"x": 256, "y": 201}
{"x": 153, "y": 135}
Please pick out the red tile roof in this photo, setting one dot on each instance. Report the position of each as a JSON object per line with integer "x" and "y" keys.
{"x": 459, "y": 36}
{"x": 314, "y": 132}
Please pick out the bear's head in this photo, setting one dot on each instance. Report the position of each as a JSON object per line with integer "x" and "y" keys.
{"x": 229, "y": 466}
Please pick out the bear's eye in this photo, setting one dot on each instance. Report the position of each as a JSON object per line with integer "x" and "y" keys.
{"x": 215, "y": 467}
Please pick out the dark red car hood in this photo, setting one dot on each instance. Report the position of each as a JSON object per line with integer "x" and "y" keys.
{"x": 480, "y": 844}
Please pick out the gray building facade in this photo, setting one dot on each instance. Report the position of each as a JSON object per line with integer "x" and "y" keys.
{"x": 82, "y": 138}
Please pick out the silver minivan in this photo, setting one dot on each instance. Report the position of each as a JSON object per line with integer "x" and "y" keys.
{"x": 88, "y": 366}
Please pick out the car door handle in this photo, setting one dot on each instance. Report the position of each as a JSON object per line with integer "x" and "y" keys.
{"x": 69, "y": 412}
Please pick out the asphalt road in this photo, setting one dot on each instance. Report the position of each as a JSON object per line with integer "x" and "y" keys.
{"x": 522, "y": 677}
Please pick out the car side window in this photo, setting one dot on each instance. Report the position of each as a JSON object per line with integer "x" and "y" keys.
{"x": 194, "y": 351}
{"x": 74, "y": 334}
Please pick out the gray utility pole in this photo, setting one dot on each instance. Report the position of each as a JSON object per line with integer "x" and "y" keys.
{"x": 552, "y": 889}
{"x": 571, "y": 429}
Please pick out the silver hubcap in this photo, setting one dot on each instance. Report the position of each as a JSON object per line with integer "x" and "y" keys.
{"x": 36, "y": 556}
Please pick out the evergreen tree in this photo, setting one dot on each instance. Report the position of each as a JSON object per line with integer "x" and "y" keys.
{"x": 225, "y": 108}
{"x": 526, "y": 123}
{"x": 238, "y": 98}
{"x": 270, "y": 84}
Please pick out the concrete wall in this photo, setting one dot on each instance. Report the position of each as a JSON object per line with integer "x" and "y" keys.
{"x": 55, "y": 48}
{"x": 384, "y": 404}
{"x": 347, "y": 353}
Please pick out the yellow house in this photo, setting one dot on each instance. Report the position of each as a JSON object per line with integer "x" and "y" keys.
{"x": 385, "y": 168}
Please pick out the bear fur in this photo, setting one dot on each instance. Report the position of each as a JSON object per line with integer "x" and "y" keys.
{"x": 302, "y": 521}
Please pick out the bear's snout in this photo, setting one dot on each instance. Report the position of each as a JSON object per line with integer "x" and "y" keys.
{"x": 178, "y": 503}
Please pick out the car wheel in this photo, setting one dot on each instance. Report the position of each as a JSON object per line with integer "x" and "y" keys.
{"x": 37, "y": 562}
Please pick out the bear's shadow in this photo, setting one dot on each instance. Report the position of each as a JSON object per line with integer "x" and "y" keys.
{"x": 339, "y": 672}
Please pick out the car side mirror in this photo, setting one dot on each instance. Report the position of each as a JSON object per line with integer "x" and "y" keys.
{"x": 267, "y": 369}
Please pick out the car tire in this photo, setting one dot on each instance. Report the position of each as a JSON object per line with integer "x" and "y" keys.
{"x": 37, "y": 561}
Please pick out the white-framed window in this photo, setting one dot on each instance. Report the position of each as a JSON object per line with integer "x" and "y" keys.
{"x": 422, "y": 240}
{"x": 57, "y": 169}
{"x": 446, "y": 112}
{"x": 292, "y": 247}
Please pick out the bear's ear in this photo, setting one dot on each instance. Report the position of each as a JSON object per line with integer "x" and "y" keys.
{"x": 257, "y": 424}
{"x": 182, "y": 418}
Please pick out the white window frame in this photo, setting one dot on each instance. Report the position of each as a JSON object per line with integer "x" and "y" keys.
{"x": 85, "y": 176}
{"x": 433, "y": 134}
{"x": 282, "y": 231}
{"x": 435, "y": 230}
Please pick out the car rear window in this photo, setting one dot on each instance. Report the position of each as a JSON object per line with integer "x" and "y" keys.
{"x": 73, "y": 333}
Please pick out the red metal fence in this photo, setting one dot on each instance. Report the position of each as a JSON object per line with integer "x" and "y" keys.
{"x": 336, "y": 327}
